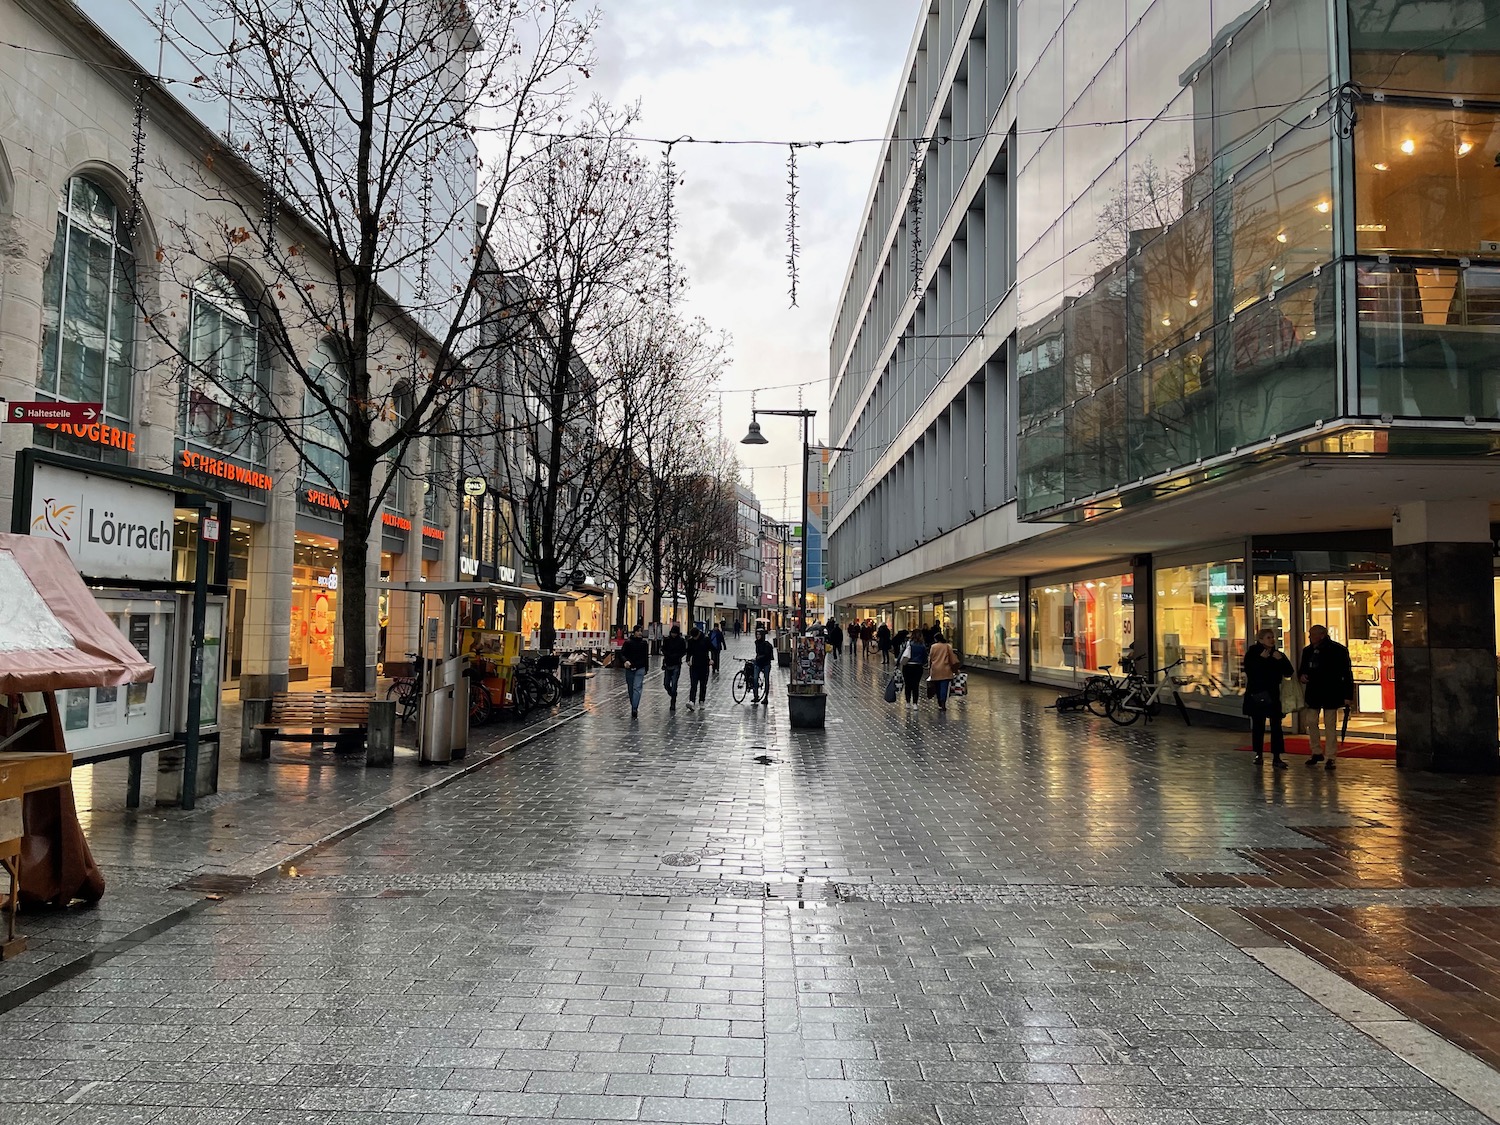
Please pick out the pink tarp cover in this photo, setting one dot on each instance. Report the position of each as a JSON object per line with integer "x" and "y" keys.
{"x": 35, "y": 655}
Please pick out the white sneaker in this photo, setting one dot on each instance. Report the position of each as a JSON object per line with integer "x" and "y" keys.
{"x": 690, "y": 705}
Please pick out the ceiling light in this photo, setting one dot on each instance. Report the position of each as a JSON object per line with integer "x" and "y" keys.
{"x": 1324, "y": 207}
{"x": 1465, "y": 148}
{"x": 1408, "y": 146}
{"x": 1166, "y": 321}
{"x": 1193, "y": 302}
{"x": 1382, "y": 167}
{"x": 1281, "y": 236}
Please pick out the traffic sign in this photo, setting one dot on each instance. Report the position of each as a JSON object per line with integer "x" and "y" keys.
{"x": 53, "y": 413}
{"x": 210, "y": 529}
{"x": 475, "y": 486}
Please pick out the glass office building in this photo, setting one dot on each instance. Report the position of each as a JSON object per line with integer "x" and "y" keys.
{"x": 1174, "y": 319}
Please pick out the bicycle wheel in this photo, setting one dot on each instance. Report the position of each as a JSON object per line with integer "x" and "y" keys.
{"x": 549, "y": 689}
{"x": 522, "y": 697}
{"x": 481, "y": 705}
{"x": 741, "y": 688}
{"x": 1125, "y": 708}
{"x": 1097, "y": 691}
{"x": 404, "y": 695}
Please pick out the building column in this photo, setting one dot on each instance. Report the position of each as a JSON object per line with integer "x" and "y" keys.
{"x": 1442, "y": 586}
{"x": 268, "y": 610}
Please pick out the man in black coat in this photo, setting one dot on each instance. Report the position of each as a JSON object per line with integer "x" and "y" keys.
{"x": 1328, "y": 682}
{"x": 673, "y": 649}
{"x": 635, "y": 658}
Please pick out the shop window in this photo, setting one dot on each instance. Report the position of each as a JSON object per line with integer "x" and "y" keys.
{"x": 1005, "y": 627}
{"x": 1077, "y": 626}
{"x": 88, "y": 310}
{"x": 224, "y": 385}
{"x": 977, "y": 642}
{"x": 1200, "y": 620}
{"x": 323, "y": 440}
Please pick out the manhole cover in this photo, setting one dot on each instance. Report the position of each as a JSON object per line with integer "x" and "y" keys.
{"x": 682, "y": 859}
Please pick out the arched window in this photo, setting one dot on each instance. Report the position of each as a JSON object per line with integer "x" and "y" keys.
{"x": 224, "y": 388}
{"x": 88, "y": 312}
{"x": 322, "y": 445}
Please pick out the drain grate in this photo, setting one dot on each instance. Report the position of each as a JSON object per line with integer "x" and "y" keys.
{"x": 682, "y": 859}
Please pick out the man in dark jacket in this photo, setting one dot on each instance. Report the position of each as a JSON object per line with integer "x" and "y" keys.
{"x": 835, "y": 637}
{"x": 1328, "y": 679}
{"x": 699, "y": 654}
{"x": 716, "y": 644}
{"x": 883, "y": 640}
{"x": 635, "y": 658}
{"x": 673, "y": 649}
{"x": 765, "y": 656}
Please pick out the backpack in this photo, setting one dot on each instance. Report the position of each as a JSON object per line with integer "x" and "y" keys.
{"x": 917, "y": 653}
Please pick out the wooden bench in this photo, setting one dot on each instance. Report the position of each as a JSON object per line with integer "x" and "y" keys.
{"x": 340, "y": 717}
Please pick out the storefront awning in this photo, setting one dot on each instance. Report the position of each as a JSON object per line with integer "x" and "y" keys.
{"x": 53, "y": 635}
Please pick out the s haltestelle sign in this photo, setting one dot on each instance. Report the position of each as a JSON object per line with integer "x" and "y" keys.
{"x": 112, "y": 529}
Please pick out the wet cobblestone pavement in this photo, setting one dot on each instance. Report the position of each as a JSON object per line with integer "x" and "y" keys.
{"x": 988, "y": 916}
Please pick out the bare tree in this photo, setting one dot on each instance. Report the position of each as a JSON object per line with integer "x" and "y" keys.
{"x": 706, "y": 522}
{"x": 348, "y": 187}
{"x": 585, "y": 233}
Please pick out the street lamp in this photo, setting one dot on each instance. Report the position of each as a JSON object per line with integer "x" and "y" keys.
{"x": 754, "y": 437}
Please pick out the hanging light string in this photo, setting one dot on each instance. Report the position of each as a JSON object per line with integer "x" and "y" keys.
{"x": 914, "y": 211}
{"x": 668, "y": 217}
{"x": 791, "y": 220}
{"x": 137, "y": 157}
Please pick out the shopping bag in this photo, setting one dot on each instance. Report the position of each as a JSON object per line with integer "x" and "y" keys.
{"x": 960, "y": 684}
{"x": 1291, "y": 697}
{"x": 893, "y": 687}
{"x": 931, "y": 689}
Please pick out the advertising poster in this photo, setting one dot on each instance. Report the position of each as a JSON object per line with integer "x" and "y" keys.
{"x": 807, "y": 660}
{"x": 106, "y": 706}
{"x": 76, "y": 709}
{"x": 140, "y": 640}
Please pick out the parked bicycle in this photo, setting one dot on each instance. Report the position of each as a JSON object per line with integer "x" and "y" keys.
{"x": 1100, "y": 692}
{"x": 406, "y": 689}
{"x": 1142, "y": 695}
{"x": 746, "y": 682}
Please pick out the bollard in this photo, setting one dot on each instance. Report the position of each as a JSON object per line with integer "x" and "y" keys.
{"x": 254, "y": 745}
{"x": 380, "y": 740}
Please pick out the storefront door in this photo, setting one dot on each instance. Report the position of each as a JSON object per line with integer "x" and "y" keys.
{"x": 1356, "y": 608}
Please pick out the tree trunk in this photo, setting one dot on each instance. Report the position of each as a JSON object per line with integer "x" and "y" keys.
{"x": 547, "y": 580}
{"x": 353, "y": 590}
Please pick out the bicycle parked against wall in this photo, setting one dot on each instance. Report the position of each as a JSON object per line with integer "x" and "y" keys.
{"x": 1100, "y": 692}
{"x": 406, "y": 690}
{"x": 1142, "y": 695}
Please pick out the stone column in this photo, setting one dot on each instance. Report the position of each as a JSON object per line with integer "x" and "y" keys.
{"x": 1442, "y": 580}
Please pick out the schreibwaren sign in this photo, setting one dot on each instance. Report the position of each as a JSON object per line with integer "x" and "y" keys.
{"x": 111, "y": 529}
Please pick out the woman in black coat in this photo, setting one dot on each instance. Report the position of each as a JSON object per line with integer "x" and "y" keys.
{"x": 1265, "y": 667}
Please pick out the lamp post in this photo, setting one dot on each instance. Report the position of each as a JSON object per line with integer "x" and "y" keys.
{"x": 755, "y": 437}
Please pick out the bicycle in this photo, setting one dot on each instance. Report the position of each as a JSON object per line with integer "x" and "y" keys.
{"x": 746, "y": 682}
{"x": 1136, "y": 700}
{"x": 406, "y": 691}
{"x": 1099, "y": 692}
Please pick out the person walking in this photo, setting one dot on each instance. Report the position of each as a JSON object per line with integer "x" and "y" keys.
{"x": 765, "y": 656}
{"x": 1327, "y": 677}
{"x": 700, "y": 655}
{"x": 913, "y": 661}
{"x": 942, "y": 666}
{"x": 852, "y": 635}
{"x": 883, "y": 642}
{"x": 1265, "y": 667}
{"x": 835, "y": 635}
{"x": 736, "y": 628}
{"x": 716, "y": 644}
{"x": 673, "y": 649}
{"x": 635, "y": 655}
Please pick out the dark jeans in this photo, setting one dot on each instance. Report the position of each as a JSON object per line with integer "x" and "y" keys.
{"x": 942, "y": 691}
{"x": 635, "y": 680}
{"x": 715, "y": 657}
{"x": 885, "y": 655}
{"x": 1258, "y": 734}
{"x": 761, "y": 689}
{"x": 911, "y": 675}
{"x": 669, "y": 678}
{"x": 697, "y": 685}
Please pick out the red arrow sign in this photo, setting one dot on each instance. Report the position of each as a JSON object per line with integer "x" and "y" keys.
{"x": 44, "y": 413}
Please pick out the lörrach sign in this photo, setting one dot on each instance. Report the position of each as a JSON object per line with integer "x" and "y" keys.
{"x": 111, "y": 529}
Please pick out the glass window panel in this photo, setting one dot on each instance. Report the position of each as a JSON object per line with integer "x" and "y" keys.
{"x": 1425, "y": 180}
{"x": 1172, "y": 419}
{"x": 1268, "y": 56}
{"x": 1053, "y": 635}
{"x": 323, "y": 446}
{"x": 52, "y": 294}
{"x": 976, "y": 628}
{"x": 1005, "y": 626}
{"x": 1163, "y": 52}
{"x": 1450, "y": 46}
{"x": 85, "y": 316}
{"x": 1428, "y": 336}
{"x": 1277, "y": 364}
{"x": 1093, "y": 33}
{"x": 121, "y": 341}
{"x": 1200, "y": 620}
{"x": 225, "y": 377}
{"x": 1103, "y": 620}
{"x": 1274, "y": 220}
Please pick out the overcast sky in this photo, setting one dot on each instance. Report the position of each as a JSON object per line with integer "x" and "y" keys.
{"x": 754, "y": 69}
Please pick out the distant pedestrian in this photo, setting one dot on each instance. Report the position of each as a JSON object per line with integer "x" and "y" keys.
{"x": 700, "y": 655}
{"x": 942, "y": 666}
{"x": 635, "y": 655}
{"x": 1265, "y": 667}
{"x": 736, "y": 628}
{"x": 913, "y": 662}
{"x": 883, "y": 642}
{"x": 673, "y": 649}
{"x": 716, "y": 644}
{"x": 867, "y": 635}
{"x": 1328, "y": 681}
{"x": 835, "y": 637}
